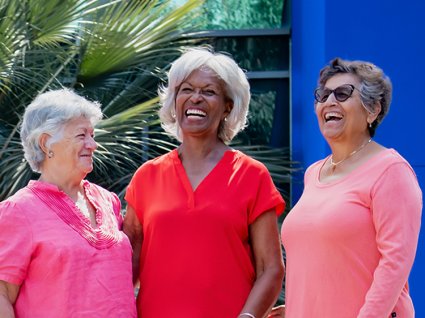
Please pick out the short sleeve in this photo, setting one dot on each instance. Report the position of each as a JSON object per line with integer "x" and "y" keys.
{"x": 267, "y": 197}
{"x": 16, "y": 243}
{"x": 132, "y": 195}
{"x": 130, "y": 192}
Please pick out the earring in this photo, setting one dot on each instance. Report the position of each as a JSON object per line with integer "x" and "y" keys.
{"x": 50, "y": 154}
{"x": 173, "y": 113}
{"x": 370, "y": 125}
{"x": 225, "y": 118}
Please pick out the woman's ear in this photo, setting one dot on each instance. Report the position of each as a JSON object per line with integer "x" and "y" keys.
{"x": 42, "y": 142}
{"x": 229, "y": 107}
{"x": 371, "y": 117}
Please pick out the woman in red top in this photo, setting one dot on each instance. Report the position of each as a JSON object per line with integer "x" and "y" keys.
{"x": 202, "y": 218}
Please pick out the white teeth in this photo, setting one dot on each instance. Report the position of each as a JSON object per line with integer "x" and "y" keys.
{"x": 195, "y": 112}
{"x": 333, "y": 115}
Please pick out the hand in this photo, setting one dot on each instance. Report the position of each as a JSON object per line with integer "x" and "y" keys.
{"x": 277, "y": 312}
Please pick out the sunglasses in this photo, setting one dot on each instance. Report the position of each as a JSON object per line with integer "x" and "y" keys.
{"x": 341, "y": 93}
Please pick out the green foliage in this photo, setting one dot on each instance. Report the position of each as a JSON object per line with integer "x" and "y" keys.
{"x": 241, "y": 14}
{"x": 260, "y": 120}
{"x": 114, "y": 52}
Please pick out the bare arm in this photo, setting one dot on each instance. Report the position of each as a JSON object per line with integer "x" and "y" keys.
{"x": 133, "y": 229}
{"x": 8, "y": 294}
{"x": 269, "y": 266}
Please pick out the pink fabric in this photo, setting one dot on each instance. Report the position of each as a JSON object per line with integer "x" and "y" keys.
{"x": 350, "y": 244}
{"x": 61, "y": 273}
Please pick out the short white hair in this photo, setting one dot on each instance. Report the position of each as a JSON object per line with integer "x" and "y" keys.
{"x": 236, "y": 89}
{"x": 49, "y": 113}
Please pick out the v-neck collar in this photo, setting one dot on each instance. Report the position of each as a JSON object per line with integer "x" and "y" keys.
{"x": 182, "y": 175}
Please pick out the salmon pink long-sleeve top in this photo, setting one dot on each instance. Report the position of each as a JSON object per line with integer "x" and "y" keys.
{"x": 196, "y": 259}
{"x": 350, "y": 243}
{"x": 64, "y": 266}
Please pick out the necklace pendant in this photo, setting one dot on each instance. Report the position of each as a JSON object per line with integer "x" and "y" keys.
{"x": 334, "y": 164}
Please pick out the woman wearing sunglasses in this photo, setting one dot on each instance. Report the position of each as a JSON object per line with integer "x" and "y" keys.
{"x": 351, "y": 239}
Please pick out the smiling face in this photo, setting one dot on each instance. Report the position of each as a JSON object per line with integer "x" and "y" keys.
{"x": 73, "y": 153}
{"x": 201, "y": 104}
{"x": 347, "y": 120}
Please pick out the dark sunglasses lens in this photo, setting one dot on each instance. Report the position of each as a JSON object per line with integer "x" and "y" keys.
{"x": 342, "y": 93}
{"x": 322, "y": 94}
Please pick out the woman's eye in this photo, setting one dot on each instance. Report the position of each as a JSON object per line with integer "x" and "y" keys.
{"x": 208, "y": 92}
{"x": 342, "y": 95}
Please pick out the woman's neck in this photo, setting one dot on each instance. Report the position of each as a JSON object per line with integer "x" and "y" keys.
{"x": 71, "y": 186}
{"x": 344, "y": 149}
{"x": 200, "y": 150}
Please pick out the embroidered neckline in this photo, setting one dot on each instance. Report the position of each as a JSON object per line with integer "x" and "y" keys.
{"x": 102, "y": 237}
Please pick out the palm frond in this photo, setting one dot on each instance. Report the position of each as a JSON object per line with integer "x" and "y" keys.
{"x": 148, "y": 28}
{"x": 123, "y": 149}
{"x": 278, "y": 162}
{"x": 110, "y": 51}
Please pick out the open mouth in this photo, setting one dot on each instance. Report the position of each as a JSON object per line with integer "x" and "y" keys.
{"x": 195, "y": 112}
{"x": 333, "y": 116}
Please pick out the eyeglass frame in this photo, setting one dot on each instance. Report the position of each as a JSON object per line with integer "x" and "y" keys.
{"x": 332, "y": 91}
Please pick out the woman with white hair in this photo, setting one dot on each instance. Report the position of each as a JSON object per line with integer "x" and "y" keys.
{"x": 202, "y": 219}
{"x": 62, "y": 253}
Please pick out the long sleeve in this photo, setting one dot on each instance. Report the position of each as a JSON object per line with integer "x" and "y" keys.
{"x": 396, "y": 209}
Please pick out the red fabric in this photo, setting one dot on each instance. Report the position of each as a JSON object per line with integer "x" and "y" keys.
{"x": 196, "y": 260}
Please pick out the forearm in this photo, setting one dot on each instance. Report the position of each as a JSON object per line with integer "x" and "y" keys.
{"x": 6, "y": 308}
{"x": 390, "y": 278}
{"x": 133, "y": 229}
{"x": 264, "y": 293}
{"x": 136, "y": 263}
{"x": 397, "y": 230}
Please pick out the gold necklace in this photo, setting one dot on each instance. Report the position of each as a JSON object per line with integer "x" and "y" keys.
{"x": 334, "y": 164}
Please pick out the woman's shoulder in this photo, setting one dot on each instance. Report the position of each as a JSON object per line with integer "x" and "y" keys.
{"x": 21, "y": 197}
{"x": 247, "y": 161}
{"x": 315, "y": 166}
{"x": 160, "y": 161}
{"x": 15, "y": 204}
{"x": 387, "y": 158}
{"x": 385, "y": 162}
{"x": 154, "y": 166}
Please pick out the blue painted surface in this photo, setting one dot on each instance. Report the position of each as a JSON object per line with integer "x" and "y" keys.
{"x": 390, "y": 34}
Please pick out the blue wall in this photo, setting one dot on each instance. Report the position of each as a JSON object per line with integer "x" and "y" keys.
{"x": 390, "y": 34}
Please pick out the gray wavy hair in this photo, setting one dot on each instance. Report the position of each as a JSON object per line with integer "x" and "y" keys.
{"x": 375, "y": 87}
{"x": 48, "y": 114}
{"x": 236, "y": 88}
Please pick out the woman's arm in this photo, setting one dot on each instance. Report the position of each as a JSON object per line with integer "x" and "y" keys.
{"x": 396, "y": 210}
{"x": 133, "y": 229}
{"x": 8, "y": 294}
{"x": 264, "y": 236}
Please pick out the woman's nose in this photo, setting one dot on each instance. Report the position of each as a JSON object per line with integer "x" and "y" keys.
{"x": 91, "y": 143}
{"x": 331, "y": 99}
{"x": 196, "y": 95}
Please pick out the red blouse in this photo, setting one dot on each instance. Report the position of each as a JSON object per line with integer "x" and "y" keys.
{"x": 196, "y": 260}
